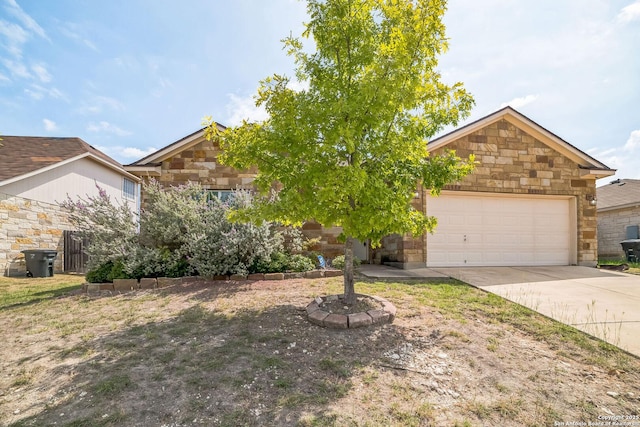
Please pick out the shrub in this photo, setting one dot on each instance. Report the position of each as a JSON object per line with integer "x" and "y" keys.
{"x": 111, "y": 229}
{"x": 338, "y": 262}
{"x": 218, "y": 246}
{"x": 99, "y": 274}
{"x": 280, "y": 262}
{"x": 300, "y": 263}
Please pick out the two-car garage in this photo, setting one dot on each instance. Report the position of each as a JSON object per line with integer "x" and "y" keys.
{"x": 492, "y": 229}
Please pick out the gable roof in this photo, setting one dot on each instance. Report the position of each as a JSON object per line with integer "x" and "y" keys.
{"x": 24, "y": 156}
{"x": 173, "y": 148}
{"x": 618, "y": 194}
{"x": 591, "y": 167}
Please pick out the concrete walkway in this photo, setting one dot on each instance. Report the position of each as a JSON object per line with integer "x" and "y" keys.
{"x": 605, "y": 304}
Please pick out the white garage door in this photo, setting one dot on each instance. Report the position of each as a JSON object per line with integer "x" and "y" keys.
{"x": 485, "y": 230}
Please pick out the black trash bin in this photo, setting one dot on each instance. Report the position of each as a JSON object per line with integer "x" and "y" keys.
{"x": 631, "y": 248}
{"x": 40, "y": 262}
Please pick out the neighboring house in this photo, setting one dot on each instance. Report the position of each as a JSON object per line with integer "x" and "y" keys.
{"x": 618, "y": 208}
{"x": 530, "y": 200}
{"x": 36, "y": 174}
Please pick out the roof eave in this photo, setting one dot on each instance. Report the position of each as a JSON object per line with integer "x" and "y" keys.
{"x": 175, "y": 147}
{"x": 144, "y": 170}
{"x": 67, "y": 161}
{"x": 596, "y": 173}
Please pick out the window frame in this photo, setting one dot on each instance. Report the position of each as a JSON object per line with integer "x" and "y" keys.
{"x": 128, "y": 193}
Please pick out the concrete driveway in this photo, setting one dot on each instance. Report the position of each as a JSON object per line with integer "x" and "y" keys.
{"x": 602, "y": 303}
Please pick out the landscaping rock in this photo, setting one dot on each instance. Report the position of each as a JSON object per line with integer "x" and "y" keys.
{"x": 314, "y": 274}
{"x": 336, "y": 321}
{"x": 313, "y": 306}
{"x": 317, "y": 317}
{"x": 125, "y": 285}
{"x": 274, "y": 276}
{"x": 237, "y": 277}
{"x": 256, "y": 276}
{"x": 333, "y": 273}
{"x": 148, "y": 283}
{"x": 288, "y": 276}
{"x": 378, "y": 316}
{"x": 164, "y": 282}
{"x": 357, "y": 320}
{"x": 221, "y": 277}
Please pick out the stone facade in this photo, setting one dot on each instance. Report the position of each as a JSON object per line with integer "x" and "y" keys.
{"x": 509, "y": 160}
{"x": 512, "y": 161}
{"x": 28, "y": 224}
{"x": 612, "y": 229}
{"x": 199, "y": 163}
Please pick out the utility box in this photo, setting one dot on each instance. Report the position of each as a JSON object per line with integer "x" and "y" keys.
{"x": 39, "y": 262}
{"x": 631, "y": 248}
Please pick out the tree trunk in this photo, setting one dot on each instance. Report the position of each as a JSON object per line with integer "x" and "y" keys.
{"x": 349, "y": 291}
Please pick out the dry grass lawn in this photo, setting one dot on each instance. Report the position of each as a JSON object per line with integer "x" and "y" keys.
{"x": 243, "y": 354}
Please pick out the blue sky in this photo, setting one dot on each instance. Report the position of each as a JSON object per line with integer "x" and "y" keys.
{"x": 131, "y": 76}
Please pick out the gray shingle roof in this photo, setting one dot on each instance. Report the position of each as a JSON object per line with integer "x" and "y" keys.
{"x": 619, "y": 193}
{"x": 20, "y": 155}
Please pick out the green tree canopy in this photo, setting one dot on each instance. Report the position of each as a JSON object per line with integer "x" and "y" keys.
{"x": 350, "y": 149}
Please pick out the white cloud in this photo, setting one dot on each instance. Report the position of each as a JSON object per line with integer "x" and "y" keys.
{"x": 127, "y": 152}
{"x": 41, "y": 72}
{"x": 49, "y": 125}
{"x": 520, "y": 102}
{"x": 4, "y": 78}
{"x": 99, "y": 104}
{"x": 630, "y": 13}
{"x": 35, "y": 94}
{"x": 240, "y": 109}
{"x": 633, "y": 142}
{"x": 619, "y": 158}
{"x": 15, "y": 35}
{"x": 38, "y": 92}
{"x": 17, "y": 69}
{"x": 27, "y": 21}
{"x": 73, "y": 31}
{"x": 106, "y": 127}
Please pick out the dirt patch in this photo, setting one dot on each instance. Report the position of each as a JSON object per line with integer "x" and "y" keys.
{"x": 363, "y": 304}
{"x": 243, "y": 353}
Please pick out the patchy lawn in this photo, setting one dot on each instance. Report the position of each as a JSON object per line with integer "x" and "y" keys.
{"x": 242, "y": 353}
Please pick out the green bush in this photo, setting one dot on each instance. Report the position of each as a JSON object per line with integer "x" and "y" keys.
{"x": 99, "y": 274}
{"x": 299, "y": 263}
{"x": 280, "y": 262}
{"x": 338, "y": 262}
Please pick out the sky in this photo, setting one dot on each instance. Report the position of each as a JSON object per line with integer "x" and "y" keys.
{"x": 132, "y": 76}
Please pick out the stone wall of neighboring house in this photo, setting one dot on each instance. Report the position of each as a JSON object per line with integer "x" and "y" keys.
{"x": 28, "y": 224}
{"x": 612, "y": 229}
{"x": 512, "y": 161}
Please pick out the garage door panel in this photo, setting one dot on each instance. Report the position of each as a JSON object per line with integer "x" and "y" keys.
{"x": 488, "y": 230}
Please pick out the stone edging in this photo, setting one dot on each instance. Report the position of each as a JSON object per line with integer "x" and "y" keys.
{"x": 320, "y": 317}
{"x": 127, "y": 285}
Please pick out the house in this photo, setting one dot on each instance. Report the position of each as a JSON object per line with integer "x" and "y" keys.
{"x": 618, "y": 214}
{"x": 530, "y": 200}
{"x": 39, "y": 172}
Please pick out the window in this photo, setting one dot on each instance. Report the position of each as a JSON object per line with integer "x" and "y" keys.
{"x": 222, "y": 195}
{"x": 129, "y": 189}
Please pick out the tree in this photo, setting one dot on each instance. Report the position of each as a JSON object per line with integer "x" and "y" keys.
{"x": 350, "y": 149}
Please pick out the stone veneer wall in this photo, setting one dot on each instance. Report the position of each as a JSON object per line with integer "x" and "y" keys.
{"x": 512, "y": 161}
{"x": 28, "y": 224}
{"x": 200, "y": 164}
{"x": 612, "y": 229}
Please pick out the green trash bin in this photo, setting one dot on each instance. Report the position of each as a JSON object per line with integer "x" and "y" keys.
{"x": 39, "y": 262}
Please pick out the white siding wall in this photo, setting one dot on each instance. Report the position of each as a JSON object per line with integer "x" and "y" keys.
{"x": 77, "y": 179}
